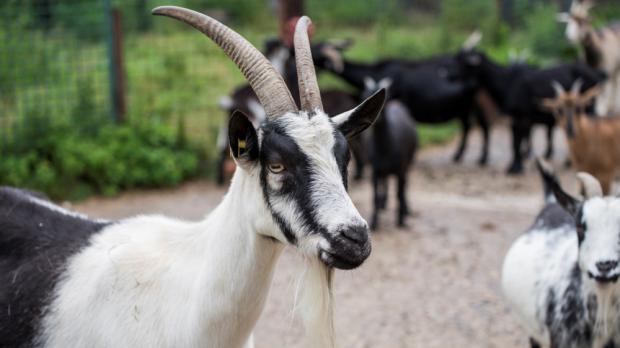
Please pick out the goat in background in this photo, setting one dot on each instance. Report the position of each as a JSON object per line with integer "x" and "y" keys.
{"x": 594, "y": 142}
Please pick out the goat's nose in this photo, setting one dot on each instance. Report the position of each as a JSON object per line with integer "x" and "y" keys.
{"x": 606, "y": 266}
{"x": 358, "y": 234}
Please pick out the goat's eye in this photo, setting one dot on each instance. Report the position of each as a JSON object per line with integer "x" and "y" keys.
{"x": 276, "y": 168}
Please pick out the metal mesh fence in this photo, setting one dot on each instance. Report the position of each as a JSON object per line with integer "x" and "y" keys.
{"x": 53, "y": 65}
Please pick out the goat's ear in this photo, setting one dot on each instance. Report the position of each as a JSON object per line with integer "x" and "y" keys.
{"x": 552, "y": 187}
{"x": 242, "y": 138}
{"x": 549, "y": 104}
{"x": 587, "y": 96}
{"x": 353, "y": 122}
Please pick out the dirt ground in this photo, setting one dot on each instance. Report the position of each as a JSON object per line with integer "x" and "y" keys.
{"x": 432, "y": 284}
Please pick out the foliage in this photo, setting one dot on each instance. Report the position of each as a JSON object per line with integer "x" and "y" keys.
{"x": 65, "y": 163}
{"x": 545, "y": 36}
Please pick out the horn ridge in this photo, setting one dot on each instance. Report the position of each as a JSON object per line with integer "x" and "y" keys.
{"x": 309, "y": 93}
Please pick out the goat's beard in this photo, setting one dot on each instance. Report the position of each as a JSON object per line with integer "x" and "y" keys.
{"x": 313, "y": 299}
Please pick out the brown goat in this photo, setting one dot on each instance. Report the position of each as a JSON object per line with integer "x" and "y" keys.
{"x": 594, "y": 142}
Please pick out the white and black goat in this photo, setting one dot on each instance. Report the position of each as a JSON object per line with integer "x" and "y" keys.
{"x": 602, "y": 51}
{"x": 560, "y": 277}
{"x": 391, "y": 145}
{"x": 152, "y": 281}
{"x": 432, "y": 89}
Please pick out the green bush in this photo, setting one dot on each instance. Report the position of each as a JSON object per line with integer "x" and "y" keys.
{"x": 64, "y": 163}
{"x": 544, "y": 35}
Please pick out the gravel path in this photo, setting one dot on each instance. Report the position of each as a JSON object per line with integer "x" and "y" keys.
{"x": 433, "y": 284}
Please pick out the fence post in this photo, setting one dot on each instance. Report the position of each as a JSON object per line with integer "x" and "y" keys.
{"x": 116, "y": 62}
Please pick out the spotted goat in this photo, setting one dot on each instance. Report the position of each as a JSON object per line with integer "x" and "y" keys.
{"x": 153, "y": 281}
{"x": 560, "y": 277}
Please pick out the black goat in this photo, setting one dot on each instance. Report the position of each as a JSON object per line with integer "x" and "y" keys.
{"x": 517, "y": 90}
{"x": 498, "y": 81}
{"x": 433, "y": 90}
{"x": 529, "y": 90}
{"x": 391, "y": 145}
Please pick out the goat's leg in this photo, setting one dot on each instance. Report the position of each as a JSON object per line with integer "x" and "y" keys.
{"x": 484, "y": 125}
{"x": 383, "y": 193}
{"x": 549, "y": 152}
{"x": 465, "y": 126}
{"x": 403, "y": 209}
{"x": 518, "y": 136}
{"x": 534, "y": 343}
{"x": 374, "y": 222}
{"x": 358, "y": 151}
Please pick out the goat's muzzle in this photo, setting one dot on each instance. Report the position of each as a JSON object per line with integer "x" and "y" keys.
{"x": 348, "y": 248}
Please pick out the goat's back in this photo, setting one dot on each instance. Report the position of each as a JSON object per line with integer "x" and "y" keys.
{"x": 36, "y": 239}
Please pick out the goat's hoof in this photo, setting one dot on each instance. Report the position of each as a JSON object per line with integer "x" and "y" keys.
{"x": 482, "y": 162}
{"x": 515, "y": 170}
{"x": 402, "y": 224}
{"x": 457, "y": 157}
{"x": 548, "y": 155}
{"x": 373, "y": 225}
{"x": 567, "y": 163}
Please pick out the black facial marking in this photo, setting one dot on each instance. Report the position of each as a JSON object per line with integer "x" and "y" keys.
{"x": 35, "y": 243}
{"x": 580, "y": 225}
{"x": 279, "y": 147}
{"x": 343, "y": 156}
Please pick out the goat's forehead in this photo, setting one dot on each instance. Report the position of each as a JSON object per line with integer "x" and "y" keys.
{"x": 602, "y": 210}
{"x": 308, "y": 130}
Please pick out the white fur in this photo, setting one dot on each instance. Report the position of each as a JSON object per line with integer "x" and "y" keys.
{"x": 152, "y": 281}
{"x": 529, "y": 265}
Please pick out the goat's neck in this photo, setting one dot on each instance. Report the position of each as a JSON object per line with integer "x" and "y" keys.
{"x": 605, "y": 318}
{"x": 238, "y": 259}
{"x": 592, "y": 47}
{"x": 354, "y": 73}
{"x": 495, "y": 78}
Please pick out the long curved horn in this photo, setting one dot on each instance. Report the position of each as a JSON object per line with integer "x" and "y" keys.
{"x": 591, "y": 186}
{"x": 260, "y": 74}
{"x": 306, "y": 76}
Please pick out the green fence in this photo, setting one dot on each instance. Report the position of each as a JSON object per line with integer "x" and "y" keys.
{"x": 53, "y": 65}
{"x": 91, "y": 62}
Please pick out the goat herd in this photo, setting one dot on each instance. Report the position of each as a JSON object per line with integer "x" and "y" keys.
{"x": 70, "y": 281}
